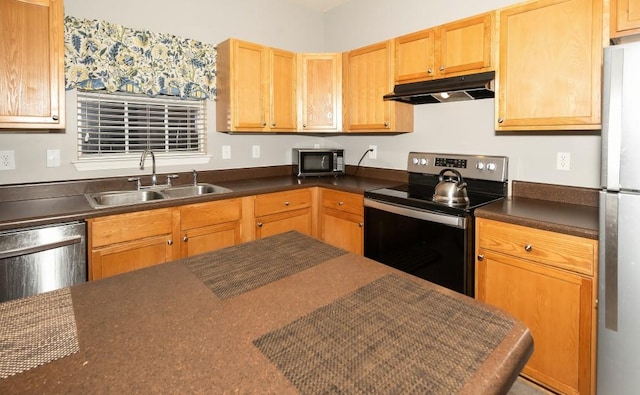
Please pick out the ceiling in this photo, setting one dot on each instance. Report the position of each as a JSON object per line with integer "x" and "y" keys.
{"x": 319, "y": 5}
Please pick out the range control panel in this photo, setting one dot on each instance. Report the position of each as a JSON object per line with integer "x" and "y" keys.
{"x": 482, "y": 167}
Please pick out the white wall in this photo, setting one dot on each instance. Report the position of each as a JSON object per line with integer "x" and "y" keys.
{"x": 452, "y": 127}
{"x": 457, "y": 127}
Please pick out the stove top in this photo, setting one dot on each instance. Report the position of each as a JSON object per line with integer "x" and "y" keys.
{"x": 485, "y": 176}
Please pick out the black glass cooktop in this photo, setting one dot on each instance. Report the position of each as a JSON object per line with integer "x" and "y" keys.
{"x": 421, "y": 197}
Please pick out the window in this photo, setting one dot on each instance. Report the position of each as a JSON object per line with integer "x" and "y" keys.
{"x": 117, "y": 126}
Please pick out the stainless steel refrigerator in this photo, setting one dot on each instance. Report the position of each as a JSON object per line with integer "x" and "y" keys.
{"x": 618, "y": 364}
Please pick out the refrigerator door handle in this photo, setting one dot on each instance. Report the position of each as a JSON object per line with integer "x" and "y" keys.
{"x": 612, "y": 118}
{"x": 609, "y": 251}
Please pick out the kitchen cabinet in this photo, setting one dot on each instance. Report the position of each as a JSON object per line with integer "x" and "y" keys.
{"x": 281, "y": 212}
{"x": 368, "y": 75}
{"x": 342, "y": 220}
{"x": 548, "y": 281}
{"x": 625, "y": 18}
{"x": 456, "y": 48}
{"x": 256, "y": 88}
{"x": 320, "y": 92}
{"x": 32, "y": 64}
{"x": 209, "y": 226}
{"x": 549, "y": 71}
{"x": 125, "y": 242}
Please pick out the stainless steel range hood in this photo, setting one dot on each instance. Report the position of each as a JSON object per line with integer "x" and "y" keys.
{"x": 468, "y": 87}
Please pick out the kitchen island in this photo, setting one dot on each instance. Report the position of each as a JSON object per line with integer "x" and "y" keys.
{"x": 284, "y": 314}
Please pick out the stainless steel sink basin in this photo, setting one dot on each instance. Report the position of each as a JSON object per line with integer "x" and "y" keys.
{"x": 121, "y": 198}
{"x": 193, "y": 190}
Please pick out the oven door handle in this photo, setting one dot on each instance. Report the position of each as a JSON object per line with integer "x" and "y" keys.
{"x": 449, "y": 220}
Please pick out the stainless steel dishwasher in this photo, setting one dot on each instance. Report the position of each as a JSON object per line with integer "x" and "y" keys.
{"x": 40, "y": 259}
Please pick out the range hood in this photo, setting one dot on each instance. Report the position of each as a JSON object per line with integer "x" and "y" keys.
{"x": 468, "y": 87}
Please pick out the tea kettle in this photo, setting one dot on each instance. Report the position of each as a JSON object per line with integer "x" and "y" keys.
{"x": 449, "y": 190}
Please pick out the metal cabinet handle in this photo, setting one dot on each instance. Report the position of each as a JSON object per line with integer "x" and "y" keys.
{"x": 264, "y": 124}
{"x": 500, "y": 120}
{"x": 185, "y": 239}
{"x": 304, "y": 125}
{"x": 286, "y": 203}
{"x": 55, "y": 117}
{"x": 170, "y": 242}
{"x": 528, "y": 247}
{"x": 386, "y": 124}
{"x": 360, "y": 224}
{"x": 441, "y": 68}
{"x": 259, "y": 224}
{"x": 430, "y": 71}
{"x": 273, "y": 124}
{"x": 480, "y": 257}
{"x": 340, "y": 203}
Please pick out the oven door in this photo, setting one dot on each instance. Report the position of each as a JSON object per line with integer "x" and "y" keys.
{"x": 433, "y": 246}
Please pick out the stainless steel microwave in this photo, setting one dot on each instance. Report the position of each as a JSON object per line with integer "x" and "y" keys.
{"x": 318, "y": 162}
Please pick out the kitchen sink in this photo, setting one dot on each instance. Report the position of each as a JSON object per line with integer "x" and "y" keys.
{"x": 123, "y": 198}
{"x": 193, "y": 190}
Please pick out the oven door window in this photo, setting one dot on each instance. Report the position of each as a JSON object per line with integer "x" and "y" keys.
{"x": 432, "y": 251}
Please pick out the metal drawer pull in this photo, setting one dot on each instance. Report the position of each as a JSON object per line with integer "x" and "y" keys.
{"x": 185, "y": 239}
{"x": 170, "y": 242}
{"x": 481, "y": 257}
{"x": 286, "y": 203}
{"x": 340, "y": 203}
{"x": 259, "y": 224}
{"x": 528, "y": 247}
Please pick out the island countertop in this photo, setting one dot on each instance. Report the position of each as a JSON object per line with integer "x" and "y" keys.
{"x": 285, "y": 314}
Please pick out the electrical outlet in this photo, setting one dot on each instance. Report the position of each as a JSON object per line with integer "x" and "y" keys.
{"x": 226, "y": 152}
{"x": 255, "y": 151}
{"x": 373, "y": 154}
{"x": 7, "y": 160}
{"x": 53, "y": 157}
{"x": 563, "y": 161}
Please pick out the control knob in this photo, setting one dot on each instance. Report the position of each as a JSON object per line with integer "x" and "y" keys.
{"x": 480, "y": 165}
{"x": 415, "y": 161}
{"x": 491, "y": 166}
{"x": 423, "y": 162}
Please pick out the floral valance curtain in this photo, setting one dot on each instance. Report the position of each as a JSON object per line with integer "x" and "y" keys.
{"x": 103, "y": 55}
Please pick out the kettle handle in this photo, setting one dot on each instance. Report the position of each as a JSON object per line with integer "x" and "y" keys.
{"x": 454, "y": 171}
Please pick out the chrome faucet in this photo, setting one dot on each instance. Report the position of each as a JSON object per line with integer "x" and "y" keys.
{"x": 195, "y": 177}
{"x": 154, "y": 178}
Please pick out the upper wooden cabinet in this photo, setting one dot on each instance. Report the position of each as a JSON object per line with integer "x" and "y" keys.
{"x": 256, "y": 88}
{"x": 625, "y": 18}
{"x": 32, "y": 64}
{"x": 320, "y": 92}
{"x": 456, "y": 48}
{"x": 368, "y": 75}
{"x": 549, "y": 73}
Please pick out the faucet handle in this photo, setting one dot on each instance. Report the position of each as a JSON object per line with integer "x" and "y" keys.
{"x": 169, "y": 177}
{"x": 137, "y": 180}
{"x": 195, "y": 177}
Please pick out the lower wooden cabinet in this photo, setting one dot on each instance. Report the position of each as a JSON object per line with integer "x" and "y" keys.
{"x": 281, "y": 212}
{"x": 126, "y": 242}
{"x": 209, "y": 226}
{"x": 548, "y": 281}
{"x": 342, "y": 220}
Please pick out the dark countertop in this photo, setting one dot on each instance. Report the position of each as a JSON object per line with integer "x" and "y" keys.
{"x": 43, "y": 209}
{"x": 163, "y": 330}
{"x": 548, "y": 207}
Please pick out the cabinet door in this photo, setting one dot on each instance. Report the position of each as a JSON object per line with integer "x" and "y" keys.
{"x": 274, "y": 224}
{"x": 249, "y": 86}
{"x": 556, "y": 306}
{"x": 343, "y": 230}
{"x": 625, "y": 17}
{"x": 465, "y": 46}
{"x": 32, "y": 64}
{"x": 320, "y": 80}
{"x": 210, "y": 238}
{"x": 369, "y": 78}
{"x": 549, "y": 72}
{"x": 125, "y": 257}
{"x": 282, "y": 95}
{"x": 415, "y": 56}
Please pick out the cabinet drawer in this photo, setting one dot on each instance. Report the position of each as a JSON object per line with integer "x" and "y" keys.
{"x": 555, "y": 249}
{"x": 210, "y": 213}
{"x": 278, "y": 202}
{"x": 126, "y": 227}
{"x": 343, "y": 201}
